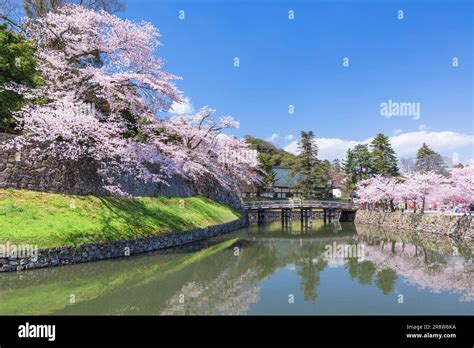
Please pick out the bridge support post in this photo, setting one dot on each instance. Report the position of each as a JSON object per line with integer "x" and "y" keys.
{"x": 260, "y": 215}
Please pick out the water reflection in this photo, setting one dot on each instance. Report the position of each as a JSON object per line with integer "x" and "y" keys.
{"x": 448, "y": 267}
{"x": 253, "y": 272}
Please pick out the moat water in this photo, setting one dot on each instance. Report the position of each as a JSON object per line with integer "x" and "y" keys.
{"x": 334, "y": 268}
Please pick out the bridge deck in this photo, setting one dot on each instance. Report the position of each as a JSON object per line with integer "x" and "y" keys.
{"x": 280, "y": 205}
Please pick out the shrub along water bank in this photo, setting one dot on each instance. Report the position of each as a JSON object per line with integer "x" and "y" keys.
{"x": 49, "y": 220}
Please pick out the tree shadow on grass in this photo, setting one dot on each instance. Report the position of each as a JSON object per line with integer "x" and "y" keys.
{"x": 137, "y": 220}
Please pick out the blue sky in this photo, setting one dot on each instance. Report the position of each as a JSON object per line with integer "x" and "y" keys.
{"x": 300, "y": 62}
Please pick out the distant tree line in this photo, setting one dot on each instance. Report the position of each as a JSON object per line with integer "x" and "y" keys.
{"x": 316, "y": 178}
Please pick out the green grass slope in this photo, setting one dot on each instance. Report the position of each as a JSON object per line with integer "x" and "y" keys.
{"x": 49, "y": 220}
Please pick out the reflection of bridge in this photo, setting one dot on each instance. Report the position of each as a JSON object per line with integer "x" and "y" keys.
{"x": 329, "y": 208}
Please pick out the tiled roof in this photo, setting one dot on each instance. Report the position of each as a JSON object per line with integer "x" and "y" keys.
{"x": 283, "y": 178}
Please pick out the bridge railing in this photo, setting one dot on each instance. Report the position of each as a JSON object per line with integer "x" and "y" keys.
{"x": 297, "y": 204}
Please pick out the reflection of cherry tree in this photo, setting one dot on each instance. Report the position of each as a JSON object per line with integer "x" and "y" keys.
{"x": 220, "y": 296}
{"x": 439, "y": 243}
{"x": 414, "y": 265}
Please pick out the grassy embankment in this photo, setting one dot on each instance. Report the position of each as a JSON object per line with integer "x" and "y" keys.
{"x": 49, "y": 220}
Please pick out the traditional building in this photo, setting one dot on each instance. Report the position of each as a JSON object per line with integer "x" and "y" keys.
{"x": 284, "y": 185}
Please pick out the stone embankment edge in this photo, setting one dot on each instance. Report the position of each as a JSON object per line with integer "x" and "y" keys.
{"x": 458, "y": 226}
{"x": 66, "y": 255}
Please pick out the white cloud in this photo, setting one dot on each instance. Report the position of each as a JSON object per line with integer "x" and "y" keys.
{"x": 185, "y": 107}
{"x": 405, "y": 144}
{"x": 423, "y": 127}
{"x": 398, "y": 131}
{"x": 273, "y": 137}
{"x": 289, "y": 137}
{"x": 329, "y": 148}
{"x": 408, "y": 143}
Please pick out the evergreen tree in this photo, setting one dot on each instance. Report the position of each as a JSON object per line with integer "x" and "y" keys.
{"x": 269, "y": 176}
{"x": 382, "y": 157}
{"x": 307, "y": 167}
{"x": 327, "y": 179}
{"x": 357, "y": 165}
{"x": 17, "y": 65}
{"x": 429, "y": 160}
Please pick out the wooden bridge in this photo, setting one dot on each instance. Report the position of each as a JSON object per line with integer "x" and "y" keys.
{"x": 329, "y": 208}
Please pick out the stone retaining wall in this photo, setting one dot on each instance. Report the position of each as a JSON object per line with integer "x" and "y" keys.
{"x": 438, "y": 224}
{"x": 48, "y": 174}
{"x": 100, "y": 251}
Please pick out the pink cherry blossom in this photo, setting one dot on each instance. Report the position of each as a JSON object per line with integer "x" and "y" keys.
{"x": 109, "y": 65}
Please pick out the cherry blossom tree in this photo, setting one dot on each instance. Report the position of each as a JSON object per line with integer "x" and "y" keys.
{"x": 96, "y": 59}
{"x": 421, "y": 188}
{"x": 379, "y": 189}
{"x": 424, "y": 187}
{"x": 461, "y": 188}
{"x": 102, "y": 91}
{"x": 206, "y": 150}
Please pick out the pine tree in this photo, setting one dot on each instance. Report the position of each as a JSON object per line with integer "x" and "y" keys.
{"x": 307, "y": 167}
{"x": 357, "y": 165}
{"x": 382, "y": 157}
{"x": 429, "y": 160}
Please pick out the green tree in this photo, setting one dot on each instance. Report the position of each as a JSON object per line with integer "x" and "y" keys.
{"x": 382, "y": 156}
{"x": 277, "y": 157}
{"x": 357, "y": 165}
{"x": 269, "y": 156}
{"x": 307, "y": 167}
{"x": 269, "y": 176}
{"x": 328, "y": 174}
{"x": 429, "y": 160}
{"x": 17, "y": 65}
